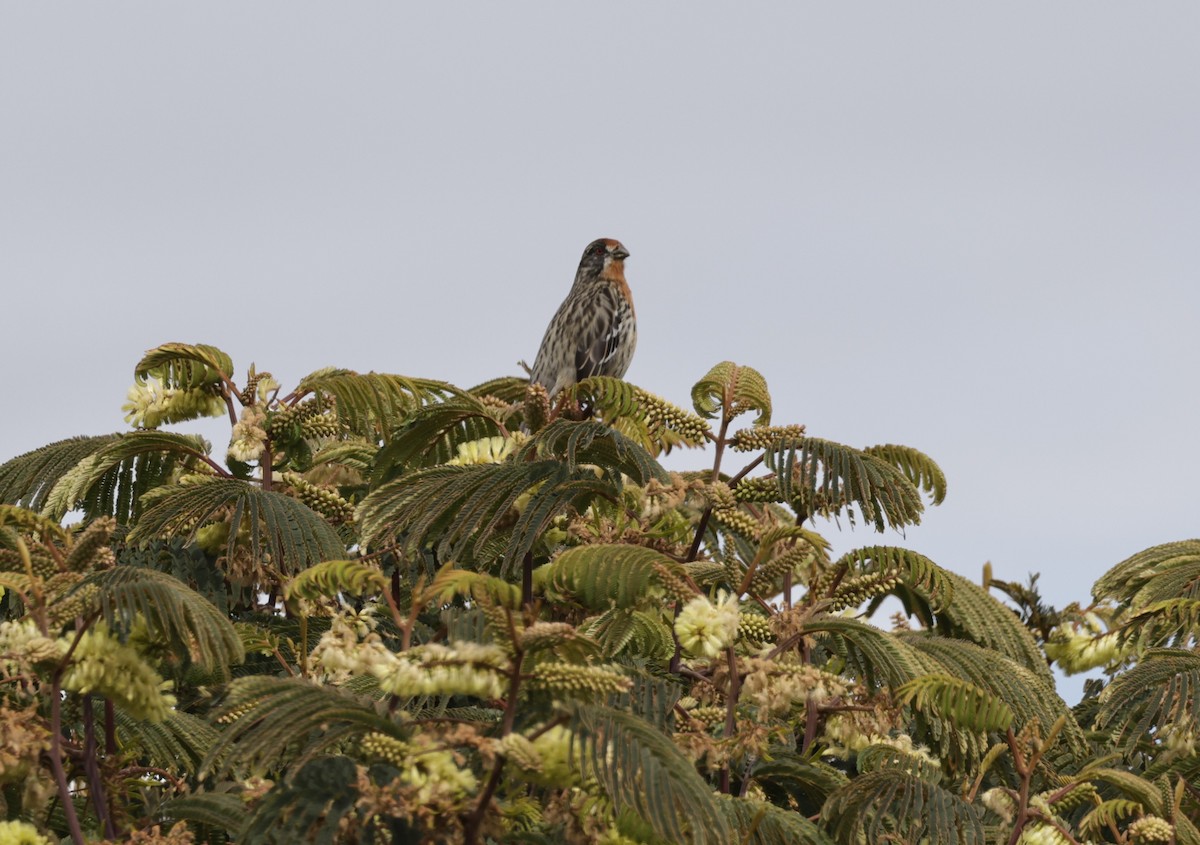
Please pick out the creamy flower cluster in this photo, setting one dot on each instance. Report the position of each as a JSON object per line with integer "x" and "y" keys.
{"x": 249, "y": 435}
{"x": 103, "y": 665}
{"x": 22, "y": 644}
{"x": 845, "y": 738}
{"x": 489, "y": 450}
{"x": 463, "y": 668}
{"x": 705, "y": 629}
{"x": 1042, "y": 834}
{"x": 776, "y": 687}
{"x": 151, "y": 404}
{"x": 1077, "y": 648}
{"x": 20, "y": 833}
{"x": 545, "y": 760}
{"x": 434, "y": 771}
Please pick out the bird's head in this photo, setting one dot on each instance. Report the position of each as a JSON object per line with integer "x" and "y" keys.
{"x": 602, "y": 253}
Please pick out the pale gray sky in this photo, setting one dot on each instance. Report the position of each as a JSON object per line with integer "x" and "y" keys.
{"x": 969, "y": 229}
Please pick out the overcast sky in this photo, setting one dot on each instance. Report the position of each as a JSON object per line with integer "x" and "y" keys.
{"x": 969, "y": 230}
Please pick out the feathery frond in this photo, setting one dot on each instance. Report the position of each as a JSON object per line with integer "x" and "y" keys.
{"x": 111, "y": 480}
{"x": 607, "y": 575}
{"x": 651, "y": 421}
{"x": 826, "y": 478}
{"x": 456, "y": 509}
{"x": 917, "y": 467}
{"x": 760, "y": 823}
{"x": 186, "y": 366}
{"x": 732, "y": 389}
{"x": 642, "y": 770}
{"x": 336, "y": 576}
{"x": 430, "y": 435}
{"x": 976, "y": 615}
{"x": 270, "y": 720}
{"x": 1134, "y": 582}
{"x": 170, "y": 609}
{"x": 373, "y": 404}
{"x": 957, "y": 701}
{"x": 1030, "y": 696}
{"x": 888, "y": 805}
{"x": 292, "y": 534}
{"x": 593, "y": 443}
{"x": 875, "y": 656}
{"x": 1158, "y": 695}
{"x": 28, "y": 479}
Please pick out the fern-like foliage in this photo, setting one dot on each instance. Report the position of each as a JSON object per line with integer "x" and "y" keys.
{"x": 642, "y": 770}
{"x": 732, "y": 390}
{"x": 593, "y": 443}
{"x": 28, "y": 479}
{"x": 171, "y": 610}
{"x": 957, "y": 701}
{"x": 186, "y": 366}
{"x": 912, "y": 568}
{"x": 651, "y": 421}
{"x": 826, "y": 478}
{"x": 457, "y": 509}
{"x": 917, "y": 467}
{"x": 177, "y": 743}
{"x": 1171, "y": 570}
{"x": 337, "y": 576}
{"x": 273, "y": 720}
{"x": 373, "y": 404}
{"x": 1030, "y": 696}
{"x": 111, "y": 481}
{"x": 309, "y": 808}
{"x": 431, "y": 434}
{"x": 760, "y": 823}
{"x": 606, "y": 575}
{"x": 1158, "y": 695}
{"x": 292, "y": 534}
{"x": 875, "y": 656}
{"x": 893, "y": 806}
{"x": 976, "y": 616}
{"x": 219, "y": 810}
{"x": 638, "y": 633}
{"x": 786, "y": 776}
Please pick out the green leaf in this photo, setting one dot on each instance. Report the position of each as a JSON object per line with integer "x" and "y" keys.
{"x": 112, "y": 480}
{"x": 270, "y": 721}
{"x": 431, "y": 434}
{"x": 293, "y": 535}
{"x": 606, "y": 575}
{"x": 826, "y": 478}
{"x": 28, "y": 479}
{"x": 731, "y": 390}
{"x": 186, "y": 366}
{"x": 759, "y": 823}
{"x": 891, "y": 805}
{"x": 958, "y": 701}
{"x": 875, "y": 656}
{"x": 1158, "y": 694}
{"x": 171, "y": 609}
{"x": 917, "y": 467}
{"x": 592, "y": 443}
{"x": 457, "y": 509}
{"x": 373, "y": 404}
{"x": 222, "y": 810}
{"x": 327, "y": 579}
{"x": 912, "y": 568}
{"x": 641, "y": 770}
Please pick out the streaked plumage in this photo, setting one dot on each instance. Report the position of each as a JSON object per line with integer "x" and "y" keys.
{"x": 594, "y": 331}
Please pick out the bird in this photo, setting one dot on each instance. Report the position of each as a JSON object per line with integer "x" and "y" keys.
{"x": 594, "y": 331}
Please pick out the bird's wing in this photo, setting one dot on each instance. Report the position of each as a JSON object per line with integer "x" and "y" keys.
{"x": 601, "y": 337}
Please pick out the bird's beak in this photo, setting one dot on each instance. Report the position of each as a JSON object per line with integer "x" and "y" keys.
{"x": 620, "y": 253}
